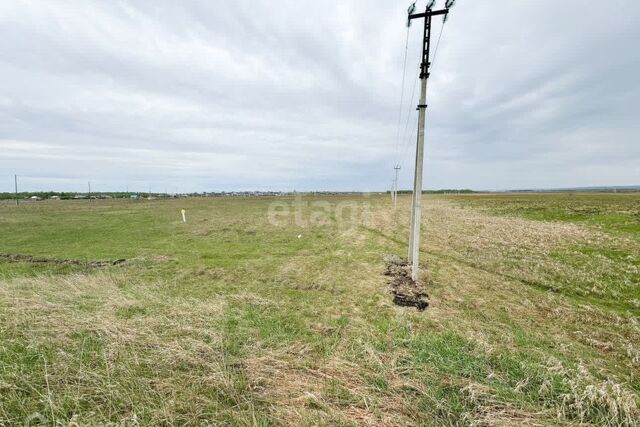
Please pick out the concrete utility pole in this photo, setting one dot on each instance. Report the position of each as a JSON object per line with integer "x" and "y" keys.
{"x": 416, "y": 208}
{"x": 89, "y": 184}
{"x": 395, "y": 186}
{"x": 392, "y": 195}
{"x": 15, "y": 181}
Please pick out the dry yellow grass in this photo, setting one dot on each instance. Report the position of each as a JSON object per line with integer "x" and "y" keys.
{"x": 303, "y": 331}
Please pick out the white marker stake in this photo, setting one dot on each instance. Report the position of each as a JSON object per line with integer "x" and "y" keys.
{"x": 184, "y": 215}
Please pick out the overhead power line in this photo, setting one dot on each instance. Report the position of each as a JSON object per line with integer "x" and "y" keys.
{"x": 435, "y": 51}
{"x": 404, "y": 73}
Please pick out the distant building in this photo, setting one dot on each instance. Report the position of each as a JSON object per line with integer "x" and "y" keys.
{"x": 135, "y": 197}
{"x": 54, "y": 197}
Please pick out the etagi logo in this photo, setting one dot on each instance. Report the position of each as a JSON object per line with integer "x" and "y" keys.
{"x": 316, "y": 213}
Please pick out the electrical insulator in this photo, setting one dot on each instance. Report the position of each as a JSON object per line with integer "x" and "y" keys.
{"x": 411, "y": 9}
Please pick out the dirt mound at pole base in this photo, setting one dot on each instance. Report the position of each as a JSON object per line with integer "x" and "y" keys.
{"x": 405, "y": 291}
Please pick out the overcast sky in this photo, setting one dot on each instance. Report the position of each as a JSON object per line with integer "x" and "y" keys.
{"x": 278, "y": 94}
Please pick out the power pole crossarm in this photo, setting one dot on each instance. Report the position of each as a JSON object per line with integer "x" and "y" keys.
{"x": 429, "y": 14}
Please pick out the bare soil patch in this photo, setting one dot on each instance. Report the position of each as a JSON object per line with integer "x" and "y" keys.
{"x": 406, "y": 292}
{"x": 71, "y": 262}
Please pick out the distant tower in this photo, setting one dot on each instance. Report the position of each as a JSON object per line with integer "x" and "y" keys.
{"x": 395, "y": 186}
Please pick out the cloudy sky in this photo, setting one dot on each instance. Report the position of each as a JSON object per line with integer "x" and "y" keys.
{"x": 278, "y": 94}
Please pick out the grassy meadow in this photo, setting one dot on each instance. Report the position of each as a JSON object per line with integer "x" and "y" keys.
{"x": 260, "y": 314}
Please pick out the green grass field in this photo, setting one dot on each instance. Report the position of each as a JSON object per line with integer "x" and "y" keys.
{"x": 234, "y": 318}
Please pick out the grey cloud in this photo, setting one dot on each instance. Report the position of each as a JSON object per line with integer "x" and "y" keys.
{"x": 199, "y": 95}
